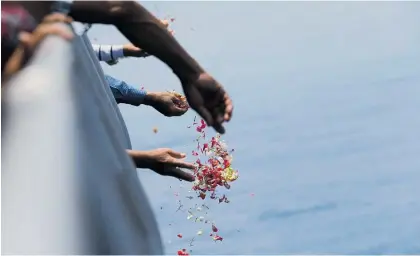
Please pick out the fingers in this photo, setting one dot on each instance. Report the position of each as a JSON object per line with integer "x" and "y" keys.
{"x": 219, "y": 128}
{"x": 179, "y": 174}
{"x": 31, "y": 40}
{"x": 177, "y": 111}
{"x": 47, "y": 27}
{"x": 176, "y": 161}
{"x": 222, "y": 112}
{"x": 55, "y": 29}
{"x": 176, "y": 154}
{"x": 165, "y": 23}
{"x": 181, "y": 164}
{"x": 178, "y": 107}
{"x": 229, "y": 108}
{"x": 57, "y": 17}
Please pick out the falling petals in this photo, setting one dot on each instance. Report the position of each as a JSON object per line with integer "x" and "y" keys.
{"x": 214, "y": 171}
{"x": 214, "y": 228}
{"x": 217, "y": 238}
{"x": 182, "y": 252}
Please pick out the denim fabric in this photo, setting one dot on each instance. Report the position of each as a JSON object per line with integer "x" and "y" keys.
{"x": 124, "y": 93}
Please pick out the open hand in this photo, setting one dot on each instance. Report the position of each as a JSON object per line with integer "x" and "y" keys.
{"x": 208, "y": 98}
{"x": 163, "y": 161}
{"x": 166, "y": 103}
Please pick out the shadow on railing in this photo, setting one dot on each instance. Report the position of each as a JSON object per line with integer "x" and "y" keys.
{"x": 68, "y": 187}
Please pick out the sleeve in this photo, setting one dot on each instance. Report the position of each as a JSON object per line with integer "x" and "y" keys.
{"x": 124, "y": 93}
{"x": 108, "y": 52}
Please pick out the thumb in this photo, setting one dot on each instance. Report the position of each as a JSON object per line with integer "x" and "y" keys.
{"x": 176, "y": 154}
{"x": 205, "y": 114}
{"x": 219, "y": 128}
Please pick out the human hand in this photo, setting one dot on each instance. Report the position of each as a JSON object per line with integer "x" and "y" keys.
{"x": 133, "y": 51}
{"x": 47, "y": 27}
{"x": 208, "y": 98}
{"x": 166, "y": 103}
{"x": 163, "y": 161}
{"x": 29, "y": 41}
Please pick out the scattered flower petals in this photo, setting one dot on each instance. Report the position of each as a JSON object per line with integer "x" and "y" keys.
{"x": 183, "y": 252}
{"x": 217, "y": 238}
{"x": 213, "y": 172}
{"x": 180, "y": 101}
{"x": 213, "y": 228}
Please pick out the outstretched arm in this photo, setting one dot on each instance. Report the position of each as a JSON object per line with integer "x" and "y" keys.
{"x": 204, "y": 94}
{"x": 166, "y": 103}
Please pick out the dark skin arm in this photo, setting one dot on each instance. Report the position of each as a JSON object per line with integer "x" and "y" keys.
{"x": 204, "y": 94}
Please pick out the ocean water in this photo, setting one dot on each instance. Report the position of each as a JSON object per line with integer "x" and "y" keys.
{"x": 325, "y": 129}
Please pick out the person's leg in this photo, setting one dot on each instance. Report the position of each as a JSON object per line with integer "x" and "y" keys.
{"x": 143, "y": 30}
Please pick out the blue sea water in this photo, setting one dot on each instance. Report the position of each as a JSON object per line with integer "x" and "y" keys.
{"x": 326, "y": 128}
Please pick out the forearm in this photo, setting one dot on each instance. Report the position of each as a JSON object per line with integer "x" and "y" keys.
{"x": 14, "y": 63}
{"x": 149, "y": 98}
{"x": 142, "y": 29}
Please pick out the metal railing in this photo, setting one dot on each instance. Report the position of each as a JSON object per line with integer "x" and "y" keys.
{"x": 68, "y": 186}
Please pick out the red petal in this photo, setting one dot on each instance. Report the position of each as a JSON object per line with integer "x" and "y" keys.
{"x": 218, "y": 238}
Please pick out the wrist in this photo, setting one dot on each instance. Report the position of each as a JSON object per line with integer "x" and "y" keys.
{"x": 127, "y": 52}
{"x": 141, "y": 159}
{"x": 150, "y": 98}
